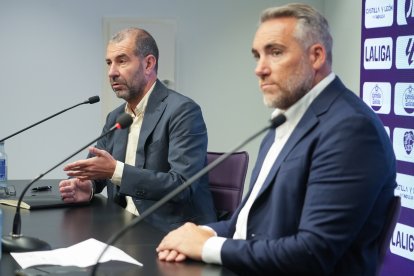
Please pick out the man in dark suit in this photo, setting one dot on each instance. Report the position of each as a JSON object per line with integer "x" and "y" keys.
{"x": 165, "y": 145}
{"x": 323, "y": 180}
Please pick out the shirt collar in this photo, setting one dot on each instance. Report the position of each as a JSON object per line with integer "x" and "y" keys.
{"x": 141, "y": 106}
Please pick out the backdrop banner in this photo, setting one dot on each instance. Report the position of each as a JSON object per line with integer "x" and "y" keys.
{"x": 387, "y": 86}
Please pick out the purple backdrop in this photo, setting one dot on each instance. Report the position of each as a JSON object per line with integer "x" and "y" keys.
{"x": 387, "y": 85}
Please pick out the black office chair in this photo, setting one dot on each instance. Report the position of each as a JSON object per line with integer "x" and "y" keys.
{"x": 388, "y": 229}
{"x": 226, "y": 182}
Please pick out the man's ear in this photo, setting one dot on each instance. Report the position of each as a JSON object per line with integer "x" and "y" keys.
{"x": 150, "y": 63}
{"x": 317, "y": 56}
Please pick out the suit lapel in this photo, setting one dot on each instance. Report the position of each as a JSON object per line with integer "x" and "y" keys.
{"x": 121, "y": 138}
{"x": 155, "y": 108}
{"x": 303, "y": 127}
{"x": 266, "y": 144}
{"x": 118, "y": 152}
{"x": 309, "y": 120}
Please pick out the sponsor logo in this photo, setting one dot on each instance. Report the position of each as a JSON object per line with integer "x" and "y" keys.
{"x": 405, "y": 190}
{"x": 402, "y": 242}
{"x": 408, "y": 100}
{"x": 405, "y": 12}
{"x": 403, "y": 142}
{"x": 378, "y": 96}
{"x": 378, "y": 53}
{"x": 405, "y": 52}
{"x": 404, "y": 99}
{"x": 379, "y": 14}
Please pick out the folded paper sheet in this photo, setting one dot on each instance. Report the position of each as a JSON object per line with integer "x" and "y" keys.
{"x": 83, "y": 254}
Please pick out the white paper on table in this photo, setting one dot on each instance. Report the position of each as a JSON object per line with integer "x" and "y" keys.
{"x": 82, "y": 254}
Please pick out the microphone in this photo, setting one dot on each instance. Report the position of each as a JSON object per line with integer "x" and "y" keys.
{"x": 274, "y": 123}
{"x": 91, "y": 100}
{"x": 16, "y": 242}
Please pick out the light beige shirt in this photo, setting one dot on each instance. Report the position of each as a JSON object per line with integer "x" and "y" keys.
{"x": 131, "y": 150}
{"x": 212, "y": 247}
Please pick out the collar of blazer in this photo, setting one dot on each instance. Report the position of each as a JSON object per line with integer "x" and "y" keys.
{"x": 155, "y": 108}
{"x": 153, "y": 112}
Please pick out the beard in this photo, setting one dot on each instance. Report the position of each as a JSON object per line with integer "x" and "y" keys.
{"x": 291, "y": 90}
{"x": 130, "y": 90}
{"x": 127, "y": 94}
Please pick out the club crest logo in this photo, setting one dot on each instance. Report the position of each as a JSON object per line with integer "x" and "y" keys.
{"x": 408, "y": 141}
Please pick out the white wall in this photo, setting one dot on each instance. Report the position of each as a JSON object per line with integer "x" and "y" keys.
{"x": 345, "y": 21}
{"x": 52, "y": 56}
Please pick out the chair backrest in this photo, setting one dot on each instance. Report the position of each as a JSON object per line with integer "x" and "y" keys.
{"x": 227, "y": 181}
{"x": 388, "y": 229}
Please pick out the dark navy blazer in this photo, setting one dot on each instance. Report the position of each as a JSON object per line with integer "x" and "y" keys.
{"x": 323, "y": 204}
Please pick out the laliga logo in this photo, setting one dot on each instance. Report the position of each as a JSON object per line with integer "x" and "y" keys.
{"x": 408, "y": 100}
{"x": 376, "y": 98}
{"x": 410, "y": 10}
{"x": 405, "y": 12}
{"x": 409, "y": 51}
{"x": 408, "y": 141}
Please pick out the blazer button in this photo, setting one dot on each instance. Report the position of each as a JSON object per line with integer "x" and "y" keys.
{"x": 140, "y": 193}
{"x": 253, "y": 235}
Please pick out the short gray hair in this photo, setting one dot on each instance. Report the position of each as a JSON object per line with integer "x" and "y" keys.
{"x": 312, "y": 27}
{"x": 144, "y": 42}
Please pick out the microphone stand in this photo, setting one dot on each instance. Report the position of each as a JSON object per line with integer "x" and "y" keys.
{"x": 16, "y": 242}
{"x": 91, "y": 100}
{"x": 275, "y": 122}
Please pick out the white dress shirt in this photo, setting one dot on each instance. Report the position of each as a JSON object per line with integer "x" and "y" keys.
{"x": 131, "y": 150}
{"x": 212, "y": 247}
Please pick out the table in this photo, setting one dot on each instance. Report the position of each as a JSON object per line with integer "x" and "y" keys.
{"x": 63, "y": 227}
